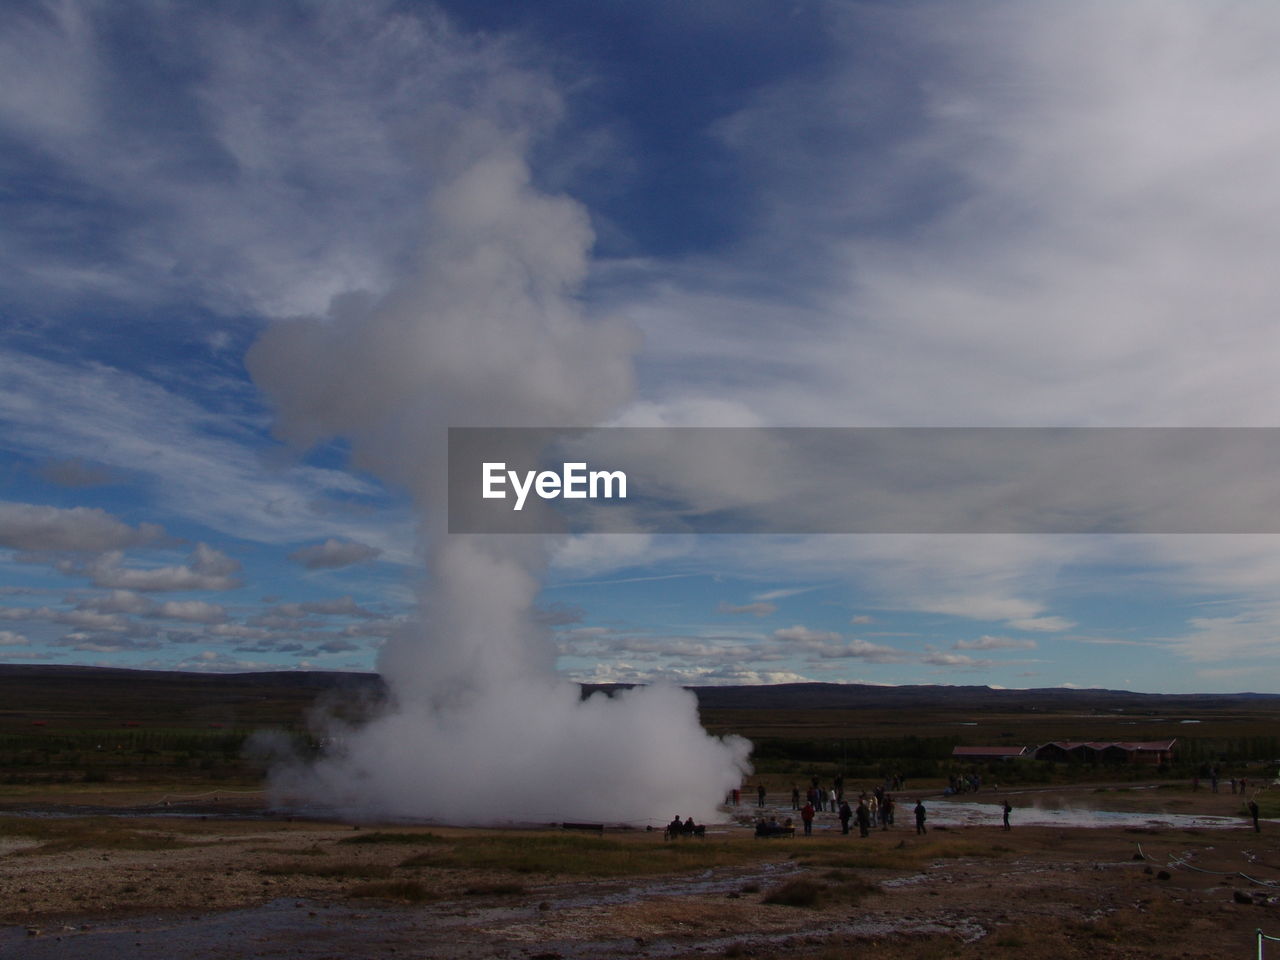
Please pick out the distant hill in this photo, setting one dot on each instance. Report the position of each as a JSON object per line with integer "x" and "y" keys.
{"x": 98, "y": 696}
{"x": 94, "y": 696}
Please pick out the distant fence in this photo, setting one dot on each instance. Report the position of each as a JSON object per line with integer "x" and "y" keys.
{"x": 1261, "y": 937}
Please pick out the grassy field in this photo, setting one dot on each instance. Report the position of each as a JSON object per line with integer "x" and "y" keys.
{"x": 83, "y": 726}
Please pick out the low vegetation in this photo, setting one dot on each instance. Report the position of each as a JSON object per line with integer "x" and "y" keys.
{"x": 346, "y": 870}
{"x": 77, "y": 833}
{"x": 908, "y": 852}
{"x": 835, "y": 886}
{"x": 410, "y": 891}
{"x": 393, "y": 838}
{"x": 577, "y": 856}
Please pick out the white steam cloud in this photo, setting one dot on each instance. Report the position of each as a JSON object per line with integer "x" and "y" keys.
{"x": 484, "y": 332}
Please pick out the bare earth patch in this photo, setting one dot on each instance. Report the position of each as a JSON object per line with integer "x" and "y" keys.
{"x": 158, "y": 886}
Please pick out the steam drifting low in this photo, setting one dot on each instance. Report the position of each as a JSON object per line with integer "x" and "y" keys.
{"x": 483, "y": 332}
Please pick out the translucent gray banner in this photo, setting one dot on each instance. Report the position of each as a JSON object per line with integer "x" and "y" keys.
{"x": 864, "y": 480}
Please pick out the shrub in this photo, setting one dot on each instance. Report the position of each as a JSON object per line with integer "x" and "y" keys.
{"x": 795, "y": 893}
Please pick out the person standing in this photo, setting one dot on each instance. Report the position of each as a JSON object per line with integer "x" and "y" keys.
{"x": 1007, "y": 810}
{"x": 864, "y": 819}
{"x": 920, "y": 815}
{"x": 846, "y": 815}
{"x": 806, "y": 817}
{"x": 795, "y": 797}
{"x": 1253, "y": 812}
{"x": 760, "y": 792}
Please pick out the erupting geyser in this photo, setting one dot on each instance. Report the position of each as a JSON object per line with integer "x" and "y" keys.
{"x": 479, "y": 728}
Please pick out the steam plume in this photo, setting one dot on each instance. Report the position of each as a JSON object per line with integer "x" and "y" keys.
{"x": 485, "y": 332}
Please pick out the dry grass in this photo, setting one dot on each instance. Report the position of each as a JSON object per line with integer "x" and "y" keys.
{"x": 586, "y": 856}
{"x": 835, "y": 886}
{"x": 404, "y": 838}
{"x": 346, "y": 870}
{"x": 496, "y": 890}
{"x": 907, "y": 853}
{"x": 410, "y": 891}
{"x": 76, "y": 833}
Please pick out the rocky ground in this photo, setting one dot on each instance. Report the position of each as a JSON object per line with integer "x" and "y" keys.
{"x": 227, "y": 879}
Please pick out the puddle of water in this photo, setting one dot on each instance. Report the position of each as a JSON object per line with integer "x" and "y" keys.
{"x": 960, "y": 813}
{"x": 963, "y": 813}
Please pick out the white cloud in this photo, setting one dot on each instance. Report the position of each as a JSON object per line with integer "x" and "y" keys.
{"x": 981, "y": 607}
{"x": 986, "y": 642}
{"x": 1042, "y": 624}
{"x": 1078, "y": 221}
{"x": 207, "y": 569}
{"x": 940, "y": 659}
{"x": 1252, "y": 632}
{"x": 622, "y": 672}
{"x": 213, "y": 661}
{"x": 10, "y": 639}
{"x": 781, "y": 594}
{"x": 193, "y": 611}
{"x": 75, "y": 473}
{"x": 308, "y": 142}
{"x": 337, "y": 607}
{"x": 333, "y": 554}
{"x": 34, "y": 528}
{"x": 828, "y": 645}
{"x": 757, "y": 609}
{"x": 81, "y": 620}
{"x": 119, "y": 601}
{"x": 164, "y": 441}
{"x": 100, "y": 643}
{"x": 804, "y": 635}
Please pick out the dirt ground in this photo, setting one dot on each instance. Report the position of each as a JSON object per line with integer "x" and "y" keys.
{"x": 220, "y": 876}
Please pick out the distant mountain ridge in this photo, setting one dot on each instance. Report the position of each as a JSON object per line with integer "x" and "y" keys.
{"x": 23, "y": 683}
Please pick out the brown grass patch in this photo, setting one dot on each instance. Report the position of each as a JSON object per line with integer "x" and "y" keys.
{"x": 381, "y": 837}
{"x": 410, "y": 891}
{"x": 348, "y": 869}
{"x": 496, "y": 890}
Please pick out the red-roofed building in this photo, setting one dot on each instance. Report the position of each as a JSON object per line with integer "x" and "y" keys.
{"x": 1107, "y": 751}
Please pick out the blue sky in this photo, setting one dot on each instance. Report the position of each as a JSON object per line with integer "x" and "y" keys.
{"x": 254, "y": 257}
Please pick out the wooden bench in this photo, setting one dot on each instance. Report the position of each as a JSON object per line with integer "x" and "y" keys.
{"x": 698, "y": 830}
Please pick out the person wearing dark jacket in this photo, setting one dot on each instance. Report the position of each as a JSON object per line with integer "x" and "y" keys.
{"x": 920, "y": 815}
{"x": 845, "y": 816}
{"x": 864, "y": 819}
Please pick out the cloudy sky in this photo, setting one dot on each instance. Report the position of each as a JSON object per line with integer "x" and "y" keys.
{"x": 254, "y": 257}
